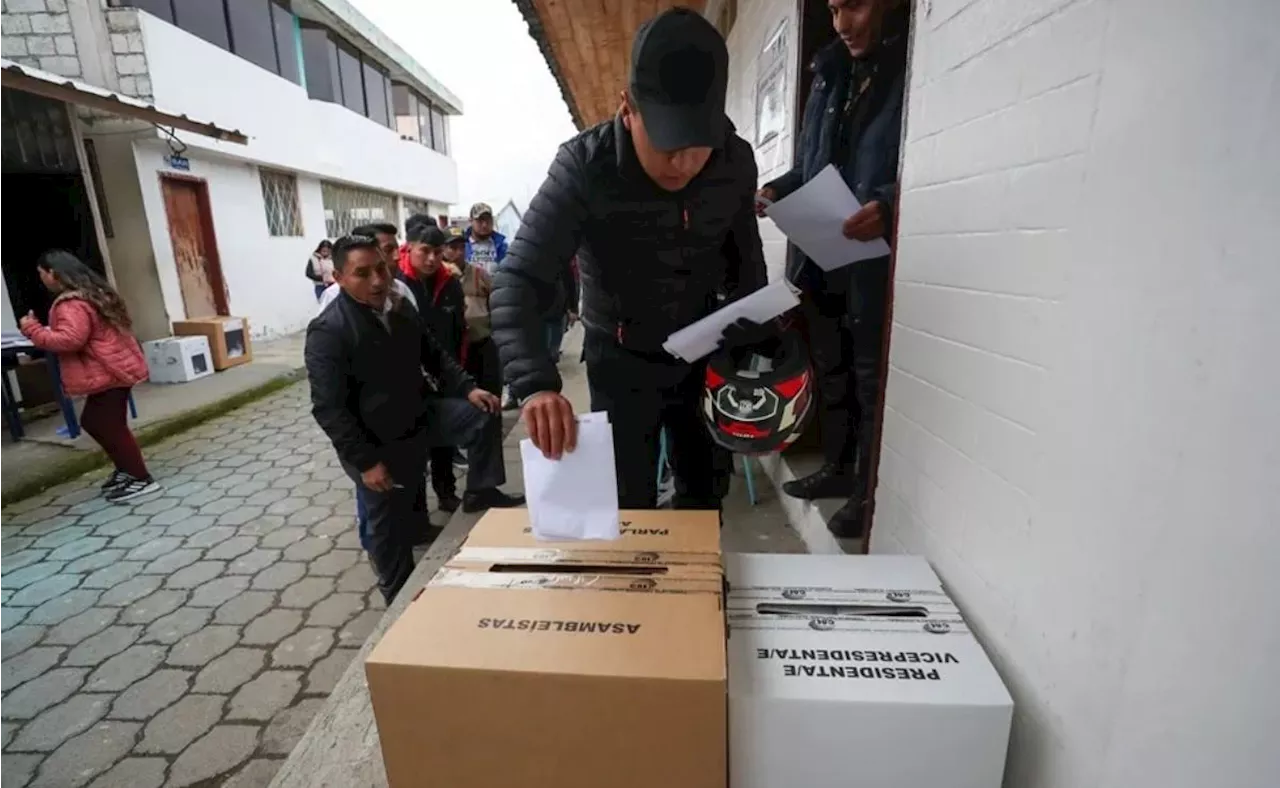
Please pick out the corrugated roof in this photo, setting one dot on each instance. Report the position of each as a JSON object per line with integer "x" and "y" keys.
{"x": 72, "y": 91}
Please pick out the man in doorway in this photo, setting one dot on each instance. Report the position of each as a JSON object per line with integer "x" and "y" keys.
{"x": 657, "y": 204}
{"x": 366, "y": 354}
{"x": 853, "y": 120}
{"x": 486, "y": 247}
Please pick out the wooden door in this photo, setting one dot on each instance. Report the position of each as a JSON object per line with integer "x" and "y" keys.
{"x": 186, "y": 204}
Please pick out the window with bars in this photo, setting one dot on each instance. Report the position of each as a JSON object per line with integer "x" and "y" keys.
{"x": 280, "y": 198}
{"x": 346, "y": 207}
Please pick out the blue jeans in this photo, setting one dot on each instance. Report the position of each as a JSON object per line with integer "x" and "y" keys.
{"x": 555, "y": 335}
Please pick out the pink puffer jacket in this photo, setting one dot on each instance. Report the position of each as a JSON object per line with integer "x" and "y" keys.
{"x": 94, "y": 355}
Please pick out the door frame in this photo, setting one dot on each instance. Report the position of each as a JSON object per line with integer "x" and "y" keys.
{"x": 213, "y": 263}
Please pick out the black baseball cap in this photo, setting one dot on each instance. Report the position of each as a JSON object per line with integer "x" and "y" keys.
{"x": 679, "y": 76}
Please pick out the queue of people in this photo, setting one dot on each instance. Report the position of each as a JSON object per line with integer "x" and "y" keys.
{"x": 655, "y": 212}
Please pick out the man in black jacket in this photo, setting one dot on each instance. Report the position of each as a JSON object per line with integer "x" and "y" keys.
{"x": 853, "y": 119}
{"x": 366, "y": 354}
{"x": 657, "y": 204}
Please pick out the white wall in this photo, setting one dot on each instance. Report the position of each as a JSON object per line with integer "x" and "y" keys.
{"x": 133, "y": 262}
{"x": 286, "y": 129}
{"x": 263, "y": 273}
{"x": 757, "y": 20}
{"x": 1082, "y": 430}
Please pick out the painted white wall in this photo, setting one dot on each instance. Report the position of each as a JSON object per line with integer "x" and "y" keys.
{"x": 1082, "y": 430}
{"x": 757, "y": 20}
{"x": 133, "y": 262}
{"x": 263, "y": 273}
{"x": 286, "y": 128}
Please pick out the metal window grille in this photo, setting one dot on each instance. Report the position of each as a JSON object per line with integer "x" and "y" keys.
{"x": 346, "y": 207}
{"x": 280, "y": 197}
{"x": 412, "y": 207}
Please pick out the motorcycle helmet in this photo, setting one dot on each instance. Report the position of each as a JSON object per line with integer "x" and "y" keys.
{"x": 759, "y": 397}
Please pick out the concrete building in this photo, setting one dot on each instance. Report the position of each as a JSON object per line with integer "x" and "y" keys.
{"x": 337, "y": 126}
{"x": 1079, "y": 420}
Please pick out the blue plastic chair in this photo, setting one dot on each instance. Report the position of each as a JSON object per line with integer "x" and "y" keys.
{"x": 747, "y": 474}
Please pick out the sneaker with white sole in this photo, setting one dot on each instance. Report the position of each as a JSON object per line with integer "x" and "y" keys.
{"x": 133, "y": 488}
{"x": 117, "y": 478}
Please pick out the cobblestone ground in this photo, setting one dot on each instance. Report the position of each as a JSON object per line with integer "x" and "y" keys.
{"x": 188, "y": 638}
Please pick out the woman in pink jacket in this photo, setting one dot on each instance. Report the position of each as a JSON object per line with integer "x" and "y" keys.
{"x": 89, "y": 329}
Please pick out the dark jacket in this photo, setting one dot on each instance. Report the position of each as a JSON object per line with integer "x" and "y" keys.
{"x": 871, "y": 168}
{"x": 651, "y": 261}
{"x": 367, "y": 386}
{"x": 442, "y": 307}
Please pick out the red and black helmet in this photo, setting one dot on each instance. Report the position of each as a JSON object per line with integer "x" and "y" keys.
{"x": 759, "y": 397}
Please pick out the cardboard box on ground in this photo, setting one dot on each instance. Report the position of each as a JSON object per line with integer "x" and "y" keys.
{"x": 573, "y": 665}
{"x": 857, "y": 670}
{"x": 229, "y": 340}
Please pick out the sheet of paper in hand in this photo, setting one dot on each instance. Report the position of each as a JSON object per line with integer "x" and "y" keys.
{"x": 575, "y": 497}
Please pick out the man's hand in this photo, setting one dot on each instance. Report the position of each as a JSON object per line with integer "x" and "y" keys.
{"x": 867, "y": 224}
{"x": 484, "y": 401}
{"x": 551, "y": 424}
{"x": 28, "y": 322}
{"x": 377, "y": 478}
{"x": 768, "y": 193}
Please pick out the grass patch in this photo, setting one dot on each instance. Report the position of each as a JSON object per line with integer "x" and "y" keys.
{"x": 72, "y": 467}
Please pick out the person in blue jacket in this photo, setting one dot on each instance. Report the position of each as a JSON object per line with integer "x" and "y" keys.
{"x": 485, "y": 246}
{"x": 852, "y": 120}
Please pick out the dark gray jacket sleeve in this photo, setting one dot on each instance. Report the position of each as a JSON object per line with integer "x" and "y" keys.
{"x": 788, "y": 181}
{"x": 327, "y": 373}
{"x": 525, "y": 286}
{"x": 743, "y": 250}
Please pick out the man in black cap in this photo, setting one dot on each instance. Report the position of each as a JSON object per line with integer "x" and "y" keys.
{"x": 658, "y": 205}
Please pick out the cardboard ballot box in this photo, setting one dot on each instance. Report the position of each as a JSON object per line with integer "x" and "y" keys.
{"x": 178, "y": 359}
{"x": 858, "y": 671}
{"x": 228, "y": 338}
{"x": 555, "y": 679}
{"x": 651, "y": 543}
{"x": 689, "y": 532}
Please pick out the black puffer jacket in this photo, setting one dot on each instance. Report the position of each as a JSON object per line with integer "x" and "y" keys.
{"x": 651, "y": 261}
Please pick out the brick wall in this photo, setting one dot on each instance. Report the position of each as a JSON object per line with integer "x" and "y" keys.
{"x": 37, "y": 33}
{"x": 128, "y": 52}
{"x": 1080, "y": 419}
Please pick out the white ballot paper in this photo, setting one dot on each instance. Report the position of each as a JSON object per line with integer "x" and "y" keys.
{"x": 575, "y": 497}
{"x": 699, "y": 339}
{"x": 813, "y": 216}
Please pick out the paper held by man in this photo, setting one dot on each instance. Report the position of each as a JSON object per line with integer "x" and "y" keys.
{"x": 576, "y": 496}
{"x": 813, "y": 216}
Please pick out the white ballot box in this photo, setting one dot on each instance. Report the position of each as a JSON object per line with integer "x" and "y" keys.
{"x": 178, "y": 359}
{"x": 857, "y": 670}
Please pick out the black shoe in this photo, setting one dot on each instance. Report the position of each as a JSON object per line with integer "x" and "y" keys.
{"x": 448, "y": 503}
{"x": 848, "y": 521}
{"x": 492, "y": 498}
{"x": 133, "y": 488}
{"x": 829, "y": 481}
{"x": 117, "y": 478}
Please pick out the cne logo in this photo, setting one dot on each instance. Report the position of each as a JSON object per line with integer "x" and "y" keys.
{"x": 898, "y": 596}
{"x": 937, "y": 627}
{"x": 646, "y": 557}
{"x": 643, "y": 584}
{"x": 793, "y": 593}
{"x": 822, "y": 624}
{"x": 546, "y": 555}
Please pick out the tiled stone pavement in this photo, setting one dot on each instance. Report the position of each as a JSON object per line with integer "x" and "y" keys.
{"x": 189, "y": 638}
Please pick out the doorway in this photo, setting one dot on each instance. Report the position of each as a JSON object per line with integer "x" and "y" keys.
{"x": 195, "y": 248}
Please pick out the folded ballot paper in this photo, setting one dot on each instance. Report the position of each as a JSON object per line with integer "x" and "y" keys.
{"x": 576, "y": 496}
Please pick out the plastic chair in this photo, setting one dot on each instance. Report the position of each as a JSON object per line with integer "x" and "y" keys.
{"x": 663, "y": 463}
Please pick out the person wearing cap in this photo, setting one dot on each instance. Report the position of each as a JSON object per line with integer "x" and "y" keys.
{"x": 485, "y": 246}
{"x": 481, "y": 357}
{"x": 852, "y": 120}
{"x": 657, "y": 204}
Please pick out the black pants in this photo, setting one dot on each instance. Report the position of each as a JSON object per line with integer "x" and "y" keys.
{"x": 642, "y": 394}
{"x": 398, "y": 515}
{"x": 484, "y": 366}
{"x": 846, "y": 340}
